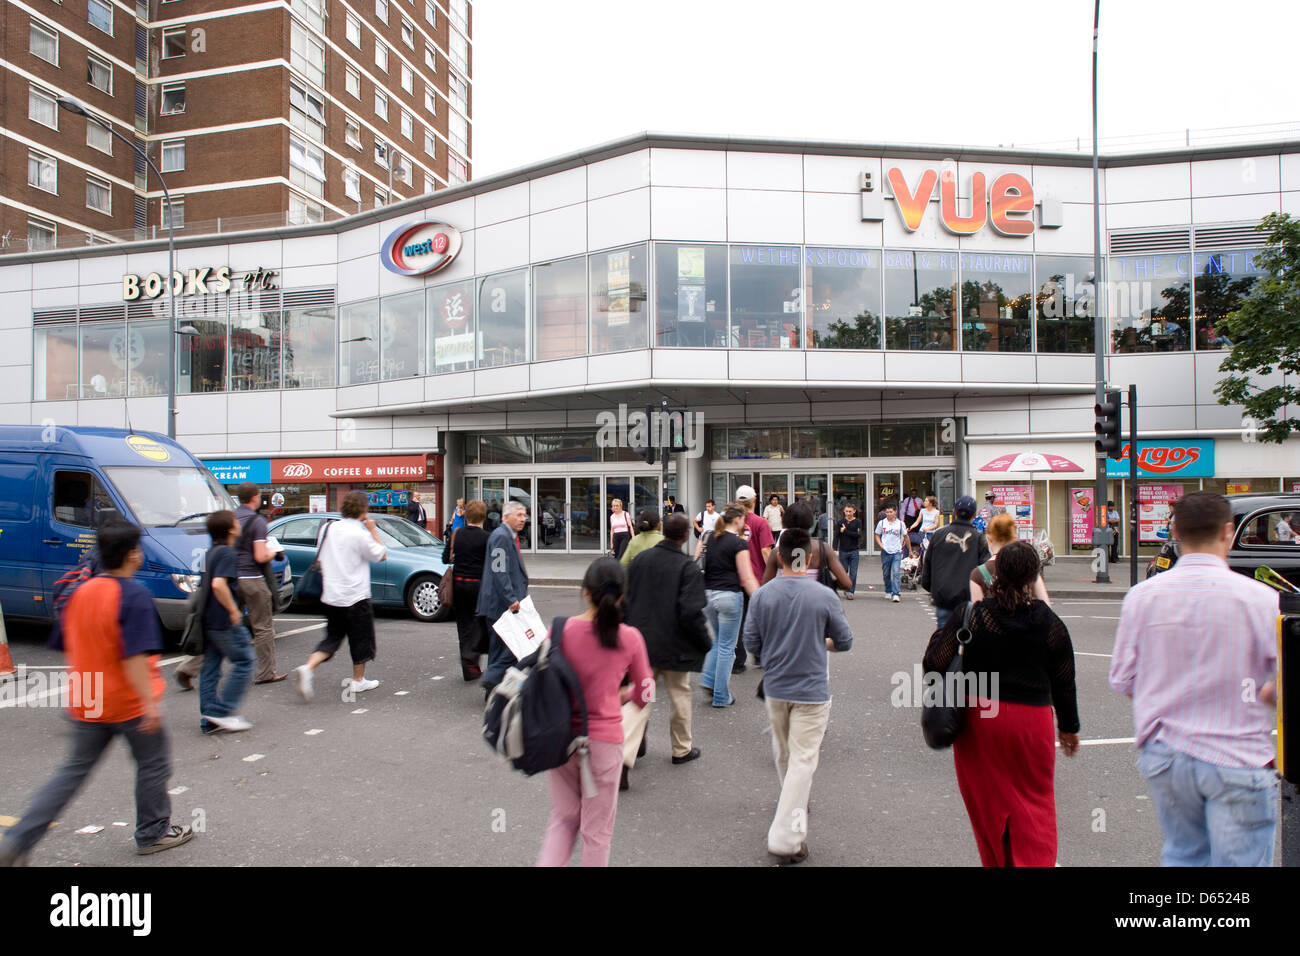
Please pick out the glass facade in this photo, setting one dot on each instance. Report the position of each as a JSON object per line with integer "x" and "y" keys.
{"x": 560, "y": 309}
{"x": 995, "y": 296}
{"x": 620, "y": 317}
{"x": 1063, "y": 304}
{"x": 766, "y": 297}
{"x": 842, "y": 298}
{"x": 1149, "y": 302}
{"x": 691, "y": 295}
{"x": 920, "y": 290}
{"x": 1223, "y": 279}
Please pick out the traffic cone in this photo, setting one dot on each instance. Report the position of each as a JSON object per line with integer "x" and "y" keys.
{"x": 6, "y": 662}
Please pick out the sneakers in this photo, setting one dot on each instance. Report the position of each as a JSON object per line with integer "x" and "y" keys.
{"x": 233, "y": 723}
{"x": 897, "y": 599}
{"x": 305, "y": 687}
{"x": 848, "y": 595}
{"x": 361, "y": 686}
{"x": 175, "y": 836}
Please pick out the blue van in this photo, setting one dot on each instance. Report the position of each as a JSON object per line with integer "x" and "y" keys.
{"x": 57, "y": 484}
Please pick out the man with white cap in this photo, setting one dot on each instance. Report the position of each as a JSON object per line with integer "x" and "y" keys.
{"x": 758, "y": 534}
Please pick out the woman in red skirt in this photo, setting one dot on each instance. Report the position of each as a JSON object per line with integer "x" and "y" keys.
{"x": 1023, "y": 660}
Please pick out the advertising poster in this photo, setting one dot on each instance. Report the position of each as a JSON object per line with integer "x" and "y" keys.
{"x": 1019, "y": 502}
{"x": 1239, "y": 488}
{"x": 316, "y": 504}
{"x": 618, "y": 273}
{"x": 1081, "y": 517}
{"x": 1154, "y": 510}
{"x": 690, "y": 284}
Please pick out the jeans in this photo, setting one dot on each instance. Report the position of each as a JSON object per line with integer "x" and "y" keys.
{"x": 891, "y": 567}
{"x": 1210, "y": 815}
{"x": 723, "y": 615}
{"x": 850, "y": 561}
{"x": 941, "y": 615}
{"x": 153, "y": 765}
{"x": 234, "y": 644}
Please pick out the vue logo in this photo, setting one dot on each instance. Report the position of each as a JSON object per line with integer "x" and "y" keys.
{"x": 1008, "y": 203}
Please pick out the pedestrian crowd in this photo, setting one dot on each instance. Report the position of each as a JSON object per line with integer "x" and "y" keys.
{"x": 656, "y": 610}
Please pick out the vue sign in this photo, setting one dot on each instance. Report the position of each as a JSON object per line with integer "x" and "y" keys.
{"x": 1008, "y": 203}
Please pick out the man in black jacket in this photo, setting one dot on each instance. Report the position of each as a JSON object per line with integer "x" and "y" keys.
{"x": 955, "y": 551}
{"x": 665, "y": 602}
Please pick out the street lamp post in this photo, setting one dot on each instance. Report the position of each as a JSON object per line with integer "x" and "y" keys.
{"x": 1100, "y": 530}
{"x": 72, "y": 106}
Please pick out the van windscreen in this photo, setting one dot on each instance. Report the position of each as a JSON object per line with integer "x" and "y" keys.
{"x": 165, "y": 496}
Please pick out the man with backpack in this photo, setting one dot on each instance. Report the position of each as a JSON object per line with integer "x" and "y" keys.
{"x": 665, "y": 602}
{"x": 956, "y": 550}
{"x": 505, "y": 584}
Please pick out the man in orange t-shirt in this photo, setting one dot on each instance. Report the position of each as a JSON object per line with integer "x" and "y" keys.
{"x": 112, "y": 640}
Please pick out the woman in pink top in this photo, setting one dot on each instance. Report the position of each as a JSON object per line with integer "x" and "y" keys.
{"x": 602, "y": 652}
{"x": 620, "y": 528}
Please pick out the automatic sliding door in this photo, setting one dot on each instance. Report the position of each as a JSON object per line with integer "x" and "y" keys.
{"x": 811, "y": 489}
{"x": 585, "y": 520}
{"x": 849, "y": 490}
{"x": 552, "y": 526}
{"x": 521, "y": 490}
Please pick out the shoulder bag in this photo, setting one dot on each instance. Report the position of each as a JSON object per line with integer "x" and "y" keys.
{"x": 311, "y": 586}
{"x": 824, "y": 573}
{"x": 446, "y": 589}
{"x": 193, "y": 636}
{"x": 943, "y": 708}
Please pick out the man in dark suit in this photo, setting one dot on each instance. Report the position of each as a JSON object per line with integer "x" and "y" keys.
{"x": 505, "y": 584}
{"x": 665, "y": 601}
{"x": 415, "y": 511}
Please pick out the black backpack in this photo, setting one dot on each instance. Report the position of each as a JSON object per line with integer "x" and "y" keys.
{"x": 528, "y": 719}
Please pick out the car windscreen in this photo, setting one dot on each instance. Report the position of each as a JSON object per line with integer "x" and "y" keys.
{"x": 396, "y": 533}
{"x": 163, "y": 497}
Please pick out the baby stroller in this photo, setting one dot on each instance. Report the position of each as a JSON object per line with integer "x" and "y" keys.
{"x": 910, "y": 568}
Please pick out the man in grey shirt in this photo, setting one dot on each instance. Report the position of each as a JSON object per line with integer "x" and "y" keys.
{"x": 793, "y": 621}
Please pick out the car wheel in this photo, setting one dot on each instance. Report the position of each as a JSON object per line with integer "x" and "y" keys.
{"x": 422, "y": 599}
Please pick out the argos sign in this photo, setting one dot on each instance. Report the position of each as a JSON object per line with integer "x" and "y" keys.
{"x": 1007, "y": 203}
{"x": 1165, "y": 459}
{"x": 420, "y": 248}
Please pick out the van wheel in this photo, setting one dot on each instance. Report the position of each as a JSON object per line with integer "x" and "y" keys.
{"x": 422, "y": 599}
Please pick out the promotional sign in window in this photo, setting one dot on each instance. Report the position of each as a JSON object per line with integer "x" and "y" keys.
{"x": 1081, "y": 516}
{"x": 619, "y": 272}
{"x": 1155, "y": 507}
{"x": 1167, "y": 459}
{"x": 232, "y": 471}
{"x": 1019, "y": 502}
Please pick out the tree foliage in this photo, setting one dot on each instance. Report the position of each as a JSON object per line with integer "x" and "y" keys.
{"x": 1265, "y": 332}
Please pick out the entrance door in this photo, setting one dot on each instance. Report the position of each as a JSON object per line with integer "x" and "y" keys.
{"x": 494, "y": 496}
{"x": 552, "y": 522}
{"x": 584, "y": 517}
{"x": 886, "y": 490}
{"x": 811, "y": 489}
{"x": 850, "y": 489}
{"x": 521, "y": 490}
{"x": 769, "y": 485}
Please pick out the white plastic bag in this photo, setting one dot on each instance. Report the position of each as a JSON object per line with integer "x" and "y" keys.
{"x": 523, "y": 631}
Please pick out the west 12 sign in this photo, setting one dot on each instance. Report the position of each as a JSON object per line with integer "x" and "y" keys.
{"x": 1008, "y": 203}
{"x": 417, "y": 249}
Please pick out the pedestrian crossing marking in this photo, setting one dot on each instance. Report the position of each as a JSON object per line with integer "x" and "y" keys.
{"x": 314, "y": 731}
{"x": 253, "y": 757}
{"x": 361, "y": 710}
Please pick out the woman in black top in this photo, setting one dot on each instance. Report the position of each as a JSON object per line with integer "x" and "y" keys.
{"x": 1006, "y": 753}
{"x": 468, "y": 551}
{"x": 728, "y": 576}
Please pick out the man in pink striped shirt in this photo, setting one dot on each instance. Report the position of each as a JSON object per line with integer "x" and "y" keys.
{"x": 1196, "y": 650}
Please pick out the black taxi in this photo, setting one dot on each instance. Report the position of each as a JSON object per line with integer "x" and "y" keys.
{"x": 1267, "y": 535}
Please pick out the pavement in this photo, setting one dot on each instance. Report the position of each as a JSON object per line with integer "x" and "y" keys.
{"x": 400, "y": 776}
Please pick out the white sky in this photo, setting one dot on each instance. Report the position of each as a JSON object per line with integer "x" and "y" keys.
{"x": 559, "y": 76}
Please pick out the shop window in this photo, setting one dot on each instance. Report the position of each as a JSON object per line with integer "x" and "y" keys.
{"x": 1063, "y": 305}
{"x": 451, "y": 327}
{"x": 309, "y": 336}
{"x": 843, "y": 298}
{"x": 503, "y": 449}
{"x": 920, "y": 292}
{"x": 619, "y": 317}
{"x": 566, "y": 447}
{"x": 54, "y": 369}
{"x": 829, "y": 441}
{"x": 995, "y": 293}
{"x": 503, "y": 319}
{"x": 103, "y": 359}
{"x": 560, "y": 309}
{"x": 1149, "y": 302}
{"x": 146, "y": 355}
{"x": 203, "y": 357}
{"x": 255, "y": 350}
{"x": 745, "y": 443}
{"x": 1223, "y": 279}
{"x": 766, "y": 297}
{"x": 691, "y": 295}
{"x": 401, "y": 334}
{"x": 359, "y": 343}
{"x": 902, "y": 441}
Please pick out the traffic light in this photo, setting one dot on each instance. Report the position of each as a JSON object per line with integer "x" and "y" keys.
{"x": 1108, "y": 421}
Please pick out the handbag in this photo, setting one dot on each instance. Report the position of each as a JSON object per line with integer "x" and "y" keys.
{"x": 942, "y": 720}
{"x": 824, "y": 573}
{"x": 193, "y": 637}
{"x": 446, "y": 589}
{"x": 311, "y": 586}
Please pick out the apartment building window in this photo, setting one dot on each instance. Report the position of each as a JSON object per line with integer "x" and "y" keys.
{"x": 302, "y": 210}
{"x": 379, "y": 198}
{"x": 352, "y": 184}
{"x": 99, "y": 195}
{"x": 408, "y": 33}
{"x": 306, "y": 166}
{"x": 173, "y": 99}
{"x": 381, "y": 55}
{"x": 428, "y": 58}
{"x": 44, "y": 43}
{"x": 459, "y": 13}
{"x": 352, "y": 132}
{"x": 457, "y": 92}
{"x": 381, "y": 154}
{"x": 98, "y": 137}
{"x": 353, "y": 82}
{"x": 458, "y": 50}
{"x": 430, "y": 16}
{"x": 408, "y": 125}
{"x": 306, "y": 110}
{"x": 307, "y": 56}
{"x": 313, "y": 11}
{"x": 99, "y": 73}
{"x": 41, "y": 108}
{"x": 381, "y": 10}
{"x": 354, "y": 31}
{"x": 428, "y": 142}
{"x": 42, "y": 172}
{"x": 381, "y": 105}
{"x": 458, "y": 132}
{"x": 173, "y": 213}
{"x": 173, "y": 155}
{"x": 100, "y": 15}
{"x": 457, "y": 171}
{"x": 429, "y": 104}
{"x": 408, "y": 79}
{"x": 173, "y": 42}
{"x": 41, "y": 235}
{"x": 428, "y": 184}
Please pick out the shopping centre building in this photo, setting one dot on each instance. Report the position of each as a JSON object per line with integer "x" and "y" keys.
{"x": 843, "y": 323}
